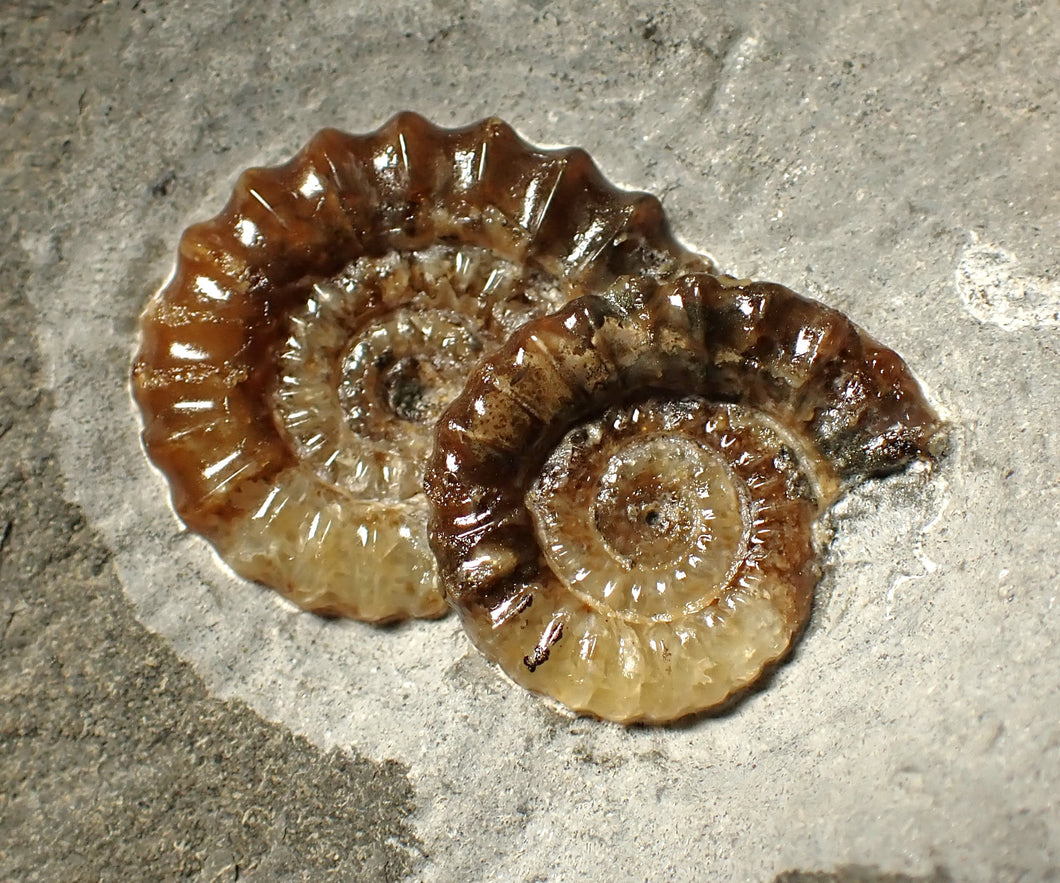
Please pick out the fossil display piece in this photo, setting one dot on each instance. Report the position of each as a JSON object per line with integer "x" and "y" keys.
{"x": 623, "y": 497}
{"x": 291, "y": 370}
{"x": 629, "y": 453}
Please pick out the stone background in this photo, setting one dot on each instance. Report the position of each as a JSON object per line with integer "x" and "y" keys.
{"x": 158, "y": 718}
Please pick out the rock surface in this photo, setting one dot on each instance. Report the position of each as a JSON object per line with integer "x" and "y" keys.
{"x": 897, "y": 164}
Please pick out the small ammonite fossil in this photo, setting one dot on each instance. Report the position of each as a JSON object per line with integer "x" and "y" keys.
{"x": 623, "y": 497}
{"x": 292, "y": 369}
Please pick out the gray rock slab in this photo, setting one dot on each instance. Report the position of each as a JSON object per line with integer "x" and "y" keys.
{"x": 897, "y": 162}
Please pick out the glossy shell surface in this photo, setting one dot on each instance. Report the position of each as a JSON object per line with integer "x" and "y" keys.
{"x": 624, "y": 496}
{"x": 291, "y": 371}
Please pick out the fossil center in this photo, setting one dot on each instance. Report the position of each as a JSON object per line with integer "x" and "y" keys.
{"x": 645, "y": 525}
{"x": 658, "y": 501}
{"x": 406, "y": 367}
{"x": 377, "y": 352}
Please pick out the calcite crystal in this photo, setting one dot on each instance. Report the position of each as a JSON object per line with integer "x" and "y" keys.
{"x": 623, "y": 496}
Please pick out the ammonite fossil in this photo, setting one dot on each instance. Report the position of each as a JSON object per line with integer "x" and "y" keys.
{"x": 291, "y": 370}
{"x": 623, "y": 497}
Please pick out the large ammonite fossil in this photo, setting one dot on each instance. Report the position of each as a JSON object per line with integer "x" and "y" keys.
{"x": 293, "y": 367}
{"x": 623, "y": 496}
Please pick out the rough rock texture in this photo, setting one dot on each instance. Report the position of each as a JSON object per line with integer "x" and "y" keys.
{"x": 115, "y": 761}
{"x": 896, "y": 161}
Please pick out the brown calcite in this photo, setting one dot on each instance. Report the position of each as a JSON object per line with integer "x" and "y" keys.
{"x": 623, "y": 497}
{"x": 290, "y": 372}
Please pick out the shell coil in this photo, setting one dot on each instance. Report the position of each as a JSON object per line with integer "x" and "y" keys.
{"x": 623, "y": 497}
{"x": 430, "y": 367}
{"x": 290, "y": 371}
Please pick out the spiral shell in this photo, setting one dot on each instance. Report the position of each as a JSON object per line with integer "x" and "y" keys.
{"x": 623, "y": 497}
{"x": 292, "y": 368}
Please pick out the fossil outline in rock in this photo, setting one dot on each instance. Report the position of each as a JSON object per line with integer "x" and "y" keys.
{"x": 286, "y": 375}
{"x": 724, "y": 416}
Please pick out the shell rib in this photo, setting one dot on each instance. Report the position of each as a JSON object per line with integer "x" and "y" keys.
{"x": 623, "y": 497}
{"x": 291, "y": 370}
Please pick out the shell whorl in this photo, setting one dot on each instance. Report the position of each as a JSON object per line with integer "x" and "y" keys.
{"x": 623, "y": 497}
{"x": 290, "y": 371}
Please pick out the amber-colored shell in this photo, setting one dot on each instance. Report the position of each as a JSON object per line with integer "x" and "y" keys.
{"x": 291, "y": 370}
{"x": 623, "y": 497}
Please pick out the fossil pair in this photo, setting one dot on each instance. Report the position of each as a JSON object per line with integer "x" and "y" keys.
{"x": 428, "y": 367}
